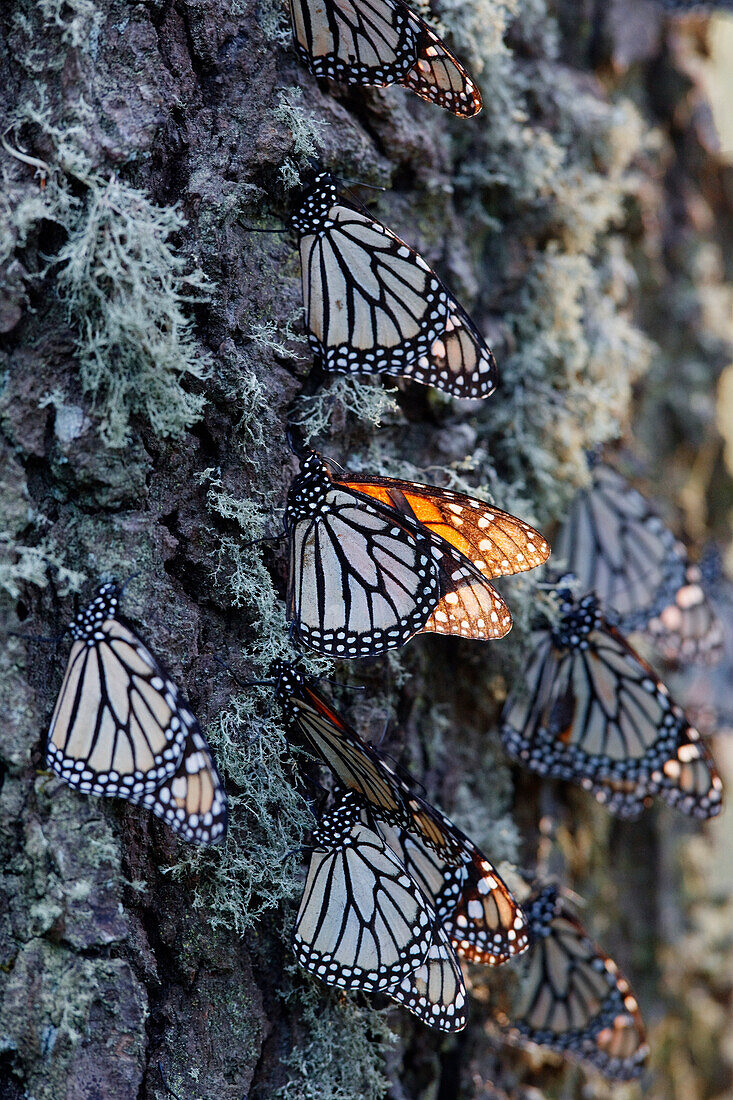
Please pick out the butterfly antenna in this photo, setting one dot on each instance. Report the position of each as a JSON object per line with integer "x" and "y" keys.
{"x": 243, "y": 683}
{"x": 125, "y": 583}
{"x": 300, "y": 848}
{"x": 41, "y": 638}
{"x": 360, "y": 183}
{"x": 578, "y": 901}
{"x": 345, "y": 687}
{"x": 380, "y": 742}
{"x": 255, "y": 229}
{"x": 265, "y": 538}
{"x": 252, "y": 229}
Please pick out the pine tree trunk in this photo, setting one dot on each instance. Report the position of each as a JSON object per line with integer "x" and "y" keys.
{"x": 152, "y": 351}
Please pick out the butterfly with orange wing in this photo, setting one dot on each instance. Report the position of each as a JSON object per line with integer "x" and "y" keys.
{"x": 374, "y": 561}
{"x": 476, "y": 909}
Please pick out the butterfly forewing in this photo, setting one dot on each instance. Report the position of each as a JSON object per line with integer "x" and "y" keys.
{"x": 374, "y": 306}
{"x": 119, "y": 726}
{"x": 618, "y": 548}
{"x": 591, "y": 710}
{"x": 381, "y": 42}
{"x": 496, "y": 543}
{"x": 325, "y": 733}
{"x": 573, "y": 998}
{"x": 362, "y": 922}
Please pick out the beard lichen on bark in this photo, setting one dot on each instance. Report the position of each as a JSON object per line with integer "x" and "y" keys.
{"x": 524, "y": 212}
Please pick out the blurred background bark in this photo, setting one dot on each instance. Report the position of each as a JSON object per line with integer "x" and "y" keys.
{"x": 151, "y": 345}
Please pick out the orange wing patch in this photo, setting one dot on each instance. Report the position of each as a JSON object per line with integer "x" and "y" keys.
{"x": 495, "y": 542}
{"x": 470, "y": 609}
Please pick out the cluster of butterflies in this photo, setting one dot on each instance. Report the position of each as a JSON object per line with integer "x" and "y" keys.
{"x": 396, "y": 895}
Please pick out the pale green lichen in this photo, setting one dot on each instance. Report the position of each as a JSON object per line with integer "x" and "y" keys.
{"x": 273, "y": 18}
{"x": 77, "y": 20}
{"x": 367, "y": 402}
{"x": 267, "y": 334}
{"x": 306, "y": 131}
{"x": 342, "y": 1054}
{"x": 255, "y": 869}
{"x": 21, "y": 565}
{"x": 126, "y": 288}
{"x": 240, "y": 571}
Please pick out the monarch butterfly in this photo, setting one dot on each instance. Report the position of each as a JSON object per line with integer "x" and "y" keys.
{"x": 483, "y": 920}
{"x": 120, "y": 727}
{"x": 374, "y": 306}
{"x": 688, "y": 631}
{"x": 592, "y": 710}
{"x": 573, "y": 998}
{"x": 364, "y": 924}
{"x": 381, "y": 42}
{"x": 374, "y": 561}
{"x": 618, "y": 548}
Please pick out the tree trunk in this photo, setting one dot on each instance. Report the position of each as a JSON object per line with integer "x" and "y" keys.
{"x": 152, "y": 352}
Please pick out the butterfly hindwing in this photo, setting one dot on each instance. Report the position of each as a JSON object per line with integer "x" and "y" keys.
{"x": 469, "y": 607}
{"x": 687, "y": 630}
{"x": 436, "y": 991}
{"x": 192, "y": 802}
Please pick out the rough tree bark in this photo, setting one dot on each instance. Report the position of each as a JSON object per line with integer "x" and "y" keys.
{"x": 151, "y": 347}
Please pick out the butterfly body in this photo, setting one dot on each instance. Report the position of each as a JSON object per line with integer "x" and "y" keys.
{"x": 373, "y": 305}
{"x": 121, "y": 729}
{"x": 595, "y": 713}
